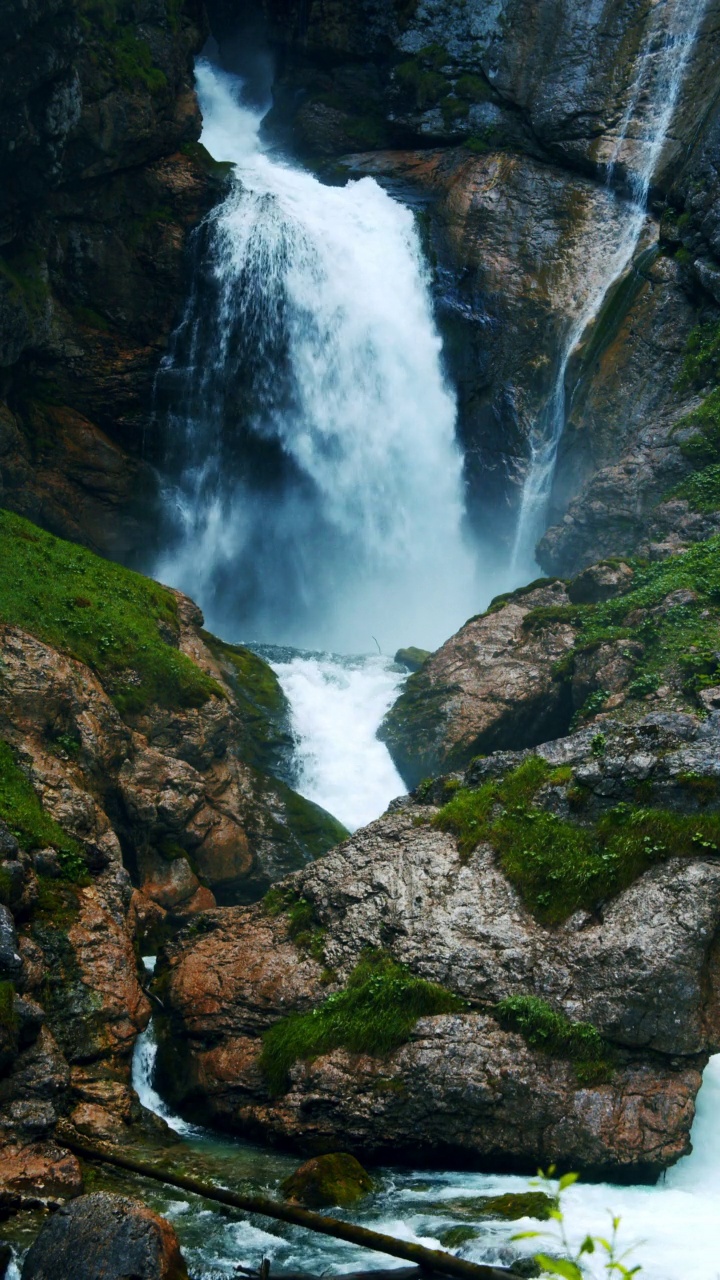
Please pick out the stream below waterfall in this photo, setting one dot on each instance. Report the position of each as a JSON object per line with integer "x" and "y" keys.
{"x": 669, "y": 1225}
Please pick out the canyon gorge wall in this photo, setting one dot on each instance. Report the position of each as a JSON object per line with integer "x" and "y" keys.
{"x": 101, "y": 181}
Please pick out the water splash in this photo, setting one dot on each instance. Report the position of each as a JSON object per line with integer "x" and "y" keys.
{"x": 337, "y": 704}
{"x": 669, "y": 38}
{"x": 317, "y": 492}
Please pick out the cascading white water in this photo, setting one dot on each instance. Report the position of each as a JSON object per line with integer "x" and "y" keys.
{"x": 671, "y": 32}
{"x": 337, "y": 704}
{"x": 318, "y": 494}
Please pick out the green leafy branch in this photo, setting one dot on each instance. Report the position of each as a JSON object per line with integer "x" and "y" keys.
{"x": 569, "y": 1265}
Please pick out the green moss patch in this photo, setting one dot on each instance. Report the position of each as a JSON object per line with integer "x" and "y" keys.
{"x": 680, "y": 639}
{"x": 454, "y": 1237}
{"x": 374, "y": 1014}
{"x": 510, "y": 1206}
{"x": 8, "y": 1017}
{"x": 266, "y": 741}
{"x": 303, "y": 925}
{"x": 22, "y": 812}
{"x": 560, "y": 866}
{"x": 108, "y": 617}
{"x": 543, "y": 1027}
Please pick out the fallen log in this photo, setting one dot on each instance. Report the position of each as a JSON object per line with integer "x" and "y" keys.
{"x": 430, "y": 1260}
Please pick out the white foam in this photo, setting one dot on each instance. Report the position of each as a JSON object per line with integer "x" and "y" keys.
{"x": 337, "y": 704}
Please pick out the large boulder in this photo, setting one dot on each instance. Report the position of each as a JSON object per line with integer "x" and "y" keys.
{"x": 105, "y": 1235}
{"x": 491, "y": 686}
{"x": 630, "y": 967}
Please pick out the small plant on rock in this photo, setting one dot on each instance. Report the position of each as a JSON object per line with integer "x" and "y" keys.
{"x": 567, "y": 1264}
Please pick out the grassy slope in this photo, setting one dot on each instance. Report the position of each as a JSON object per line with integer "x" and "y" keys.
{"x": 108, "y": 617}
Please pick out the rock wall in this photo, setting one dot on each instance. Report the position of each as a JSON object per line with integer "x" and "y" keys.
{"x": 101, "y": 180}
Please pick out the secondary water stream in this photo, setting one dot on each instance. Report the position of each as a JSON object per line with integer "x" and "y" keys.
{"x": 670, "y": 34}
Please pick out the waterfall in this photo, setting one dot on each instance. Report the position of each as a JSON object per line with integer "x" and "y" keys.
{"x": 670, "y": 35}
{"x": 314, "y": 480}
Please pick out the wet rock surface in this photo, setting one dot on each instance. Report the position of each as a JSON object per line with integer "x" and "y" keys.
{"x": 102, "y": 181}
{"x": 105, "y": 1235}
{"x": 490, "y": 686}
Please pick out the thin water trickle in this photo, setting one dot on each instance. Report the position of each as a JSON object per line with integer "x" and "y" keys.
{"x": 670, "y": 35}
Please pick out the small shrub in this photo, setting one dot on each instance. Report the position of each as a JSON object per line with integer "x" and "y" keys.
{"x": 598, "y": 746}
{"x": 702, "y": 490}
{"x": 643, "y": 685}
{"x": 374, "y": 1014}
{"x": 590, "y": 707}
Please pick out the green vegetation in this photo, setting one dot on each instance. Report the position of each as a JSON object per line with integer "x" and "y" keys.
{"x": 420, "y": 77}
{"x": 330, "y": 1179}
{"x": 680, "y": 639}
{"x": 26, "y": 274}
{"x": 543, "y": 1027}
{"x": 702, "y": 489}
{"x": 375, "y": 1014}
{"x": 567, "y": 1260}
{"x": 303, "y": 926}
{"x": 266, "y": 741}
{"x": 473, "y": 88}
{"x": 590, "y": 707}
{"x": 559, "y": 866}
{"x": 21, "y": 811}
{"x": 454, "y": 1237}
{"x": 110, "y": 618}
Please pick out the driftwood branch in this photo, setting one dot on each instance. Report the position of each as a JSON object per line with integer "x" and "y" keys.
{"x": 430, "y": 1260}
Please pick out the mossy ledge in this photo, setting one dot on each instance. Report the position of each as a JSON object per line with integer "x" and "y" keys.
{"x": 545, "y": 1028}
{"x": 120, "y": 624}
{"x": 374, "y": 1014}
{"x": 560, "y": 866}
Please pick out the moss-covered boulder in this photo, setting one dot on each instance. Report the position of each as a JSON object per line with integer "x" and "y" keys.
{"x": 411, "y": 658}
{"x": 326, "y": 1180}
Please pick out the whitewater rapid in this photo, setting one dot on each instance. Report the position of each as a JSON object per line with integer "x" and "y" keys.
{"x": 336, "y": 706}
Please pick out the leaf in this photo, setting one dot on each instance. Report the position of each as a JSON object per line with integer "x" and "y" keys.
{"x": 526, "y": 1235}
{"x": 559, "y": 1267}
{"x": 567, "y": 1180}
{"x": 588, "y": 1245}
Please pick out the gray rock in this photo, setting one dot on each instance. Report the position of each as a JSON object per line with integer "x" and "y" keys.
{"x": 105, "y": 1235}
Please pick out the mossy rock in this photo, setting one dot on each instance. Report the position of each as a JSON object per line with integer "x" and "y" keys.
{"x": 510, "y": 1206}
{"x": 454, "y": 1237}
{"x": 411, "y": 658}
{"x": 120, "y": 624}
{"x": 327, "y": 1180}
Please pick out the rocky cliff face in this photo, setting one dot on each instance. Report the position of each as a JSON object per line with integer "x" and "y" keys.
{"x": 101, "y": 182}
{"x": 529, "y": 104}
{"x": 130, "y": 800}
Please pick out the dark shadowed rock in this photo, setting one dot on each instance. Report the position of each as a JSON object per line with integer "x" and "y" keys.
{"x": 331, "y": 1179}
{"x": 109, "y": 1236}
